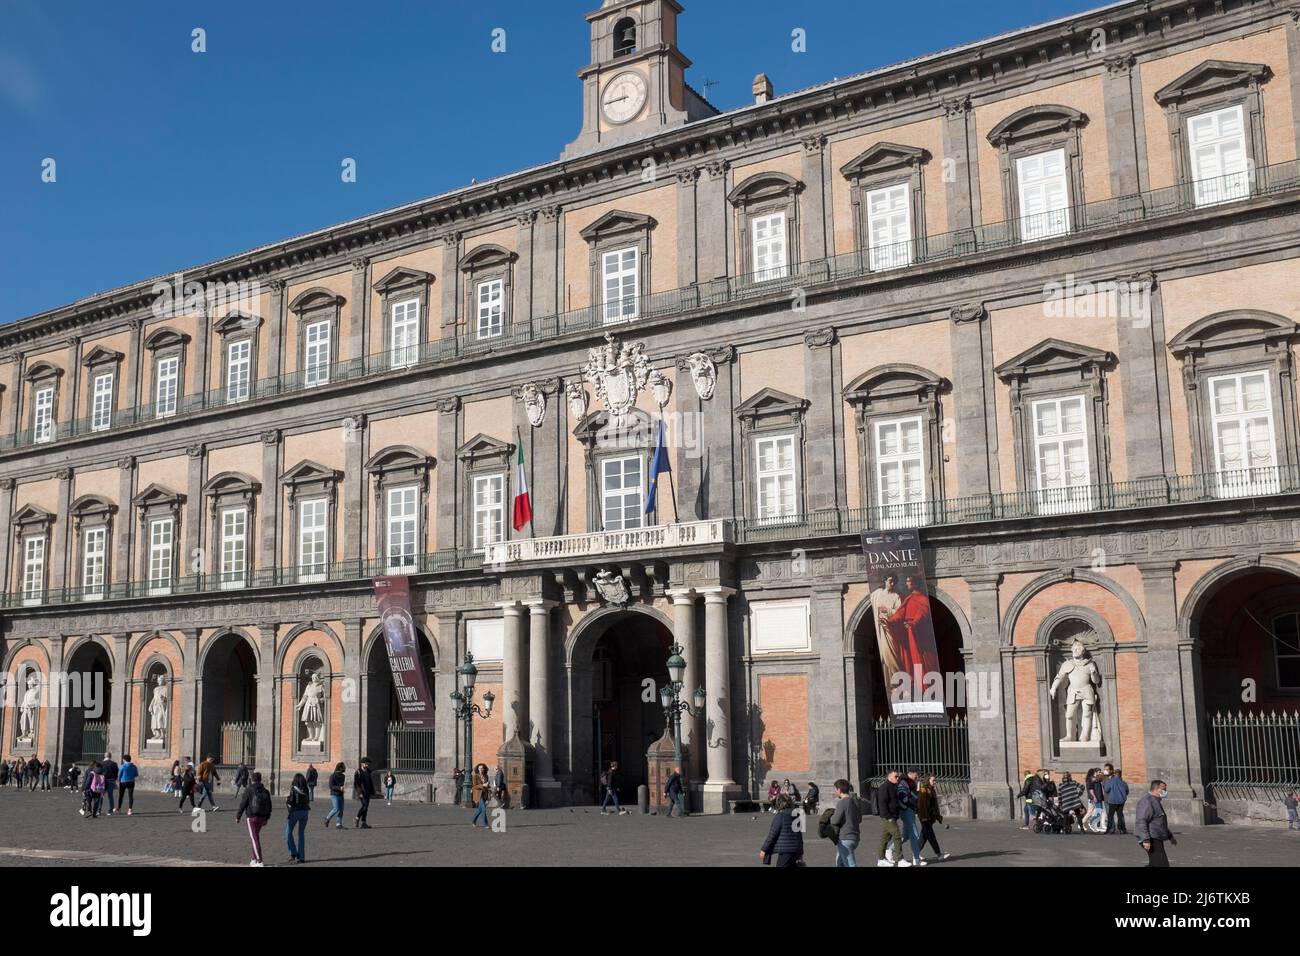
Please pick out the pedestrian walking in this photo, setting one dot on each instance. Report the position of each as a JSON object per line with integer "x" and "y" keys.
{"x": 256, "y": 805}
{"x": 930, "y": 812}
{"x": 208, "y": 780}
{"x": 109, "y": 768}
{"x": 97, "y": 786}
{"x": 45, "y": 774}
{"x": 338, "y": 780}
{"x": 365, "y": 788}
{"x": 673, "y": 790}
{"x": 1069, "y": 797}
{"x": 389, "y": 783}
{"x": 188, "y": 783}
{"x": 1291, "y": 804}
{"x": 87, "y": 793}
{"x": 479, "y": 786}
{"x": 784, "y": 840}
{"x": 907, "y": 793}
{"x": 126, "y": 775}
{"x": 33, "y": 773}
{"x": 312, "y": 776}
{"x": 1116, "y": 791}
{"x": 298, "y": 807}
{"x": 847, "y": 817}
{"x": 173, "y": 782}
{"x": 1152, "y": 826}
{"x": 1096, "y": 798}
{"x": 241, "y": 780}
{"x": 887, "y": 809}
{"x": 611, "y": 779}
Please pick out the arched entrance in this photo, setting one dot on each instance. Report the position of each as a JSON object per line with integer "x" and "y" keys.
{"x": 228, "y": 692}
{"x": 618, "y": 662}
{"x": 86, "y": 701}
{"x": 384, "y": 739}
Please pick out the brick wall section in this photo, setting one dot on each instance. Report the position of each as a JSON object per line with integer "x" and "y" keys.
{"x": 488, "y": 734}
{"x": 1131, "y": 743}
{"x": 1081, "y": 593}
{"x": 783, "y": 699}
{"x": 1027, "y": 736}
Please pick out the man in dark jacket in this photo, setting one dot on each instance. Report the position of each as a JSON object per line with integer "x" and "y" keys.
{"x": 313, "y": 775}
{"x": 256, "y": 805}
{"x": 33, "y": 773}
{"x": 887, "y": 810}
{"x": 365, "y": 790}
{"x": 784, "y": 840}
{"x": 110, "y": 780}
{"x": 611, "y": 780}
{"x": 673, "y": 791}
{"x": 1153, "y": 826}
{"x": 1116, "y": 791}
{"x": 848, "y": 818}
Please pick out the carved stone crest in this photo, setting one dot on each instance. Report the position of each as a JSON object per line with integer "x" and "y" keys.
{"x": 617, "y": 371}
{"x": 577, "y": 396}
{"x": 611, "y": 587}
{"x": 704, "y": 373}
{"x": 661, "y": 386}
{"x": 534, "y": 400}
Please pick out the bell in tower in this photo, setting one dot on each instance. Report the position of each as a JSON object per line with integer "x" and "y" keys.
{"x": 636, "y": 81}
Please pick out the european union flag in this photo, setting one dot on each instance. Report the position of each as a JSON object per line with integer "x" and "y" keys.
{"x": 658, "y": 466}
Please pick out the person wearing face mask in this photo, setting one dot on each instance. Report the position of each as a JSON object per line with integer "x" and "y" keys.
{"x": 1153, "y": 826}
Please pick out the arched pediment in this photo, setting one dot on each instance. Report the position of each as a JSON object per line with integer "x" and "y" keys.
{"x": 396, "y": 457}
{"x": 236, "y": 321}
{"x": 157, "y": 494}
{"x": 884, "y": 157}
{"x": 895, "y": 380}
{"x": 1053, "y": 355}
{"x": 1033, "y": 121}
{"x": 42, "y": 370}
{"x": 1231, "y": 329}
{"x": 1210, "y": 77}
{"x": 230, "y": 483}
{"x": 485, "y": 256}
{"x": 89, "y": 506}
{"x": 401, "y": 277}
{"x": 762, "y": 186}
{"x": 616, "y": 222}
{"x": 165, "y": 338}
{"x": 316, "y": 297}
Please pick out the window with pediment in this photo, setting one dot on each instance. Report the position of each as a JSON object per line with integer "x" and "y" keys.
{"x": 887, "y": 185}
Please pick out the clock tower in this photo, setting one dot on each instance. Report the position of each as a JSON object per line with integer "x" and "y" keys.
{"x": 636, "y": 81}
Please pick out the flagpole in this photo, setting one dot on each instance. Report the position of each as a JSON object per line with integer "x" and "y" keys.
{"x": 532, "y": 525}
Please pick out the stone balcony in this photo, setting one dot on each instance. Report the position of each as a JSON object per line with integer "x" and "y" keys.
{"x": 596, "y": 544}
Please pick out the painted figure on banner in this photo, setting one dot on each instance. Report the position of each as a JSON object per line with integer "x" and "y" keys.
{"x": 912, "y": 630}
{"x": 885, "y": 600}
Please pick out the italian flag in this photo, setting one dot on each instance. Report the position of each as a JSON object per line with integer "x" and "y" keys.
{"x": 523, "y": 501}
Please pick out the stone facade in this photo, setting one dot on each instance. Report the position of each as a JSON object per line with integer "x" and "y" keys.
{"x": 221, "y": 534}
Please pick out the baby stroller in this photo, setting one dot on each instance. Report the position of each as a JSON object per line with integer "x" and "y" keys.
{"x": 1049, "y": 818}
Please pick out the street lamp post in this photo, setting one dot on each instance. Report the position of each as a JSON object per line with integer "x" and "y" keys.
{"x": 466, "y": 710}
{"x": 674, "y": 706}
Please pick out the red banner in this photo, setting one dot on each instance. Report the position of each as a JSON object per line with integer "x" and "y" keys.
{"x": 904, "y": 629}
{"x": 410, "y": 684}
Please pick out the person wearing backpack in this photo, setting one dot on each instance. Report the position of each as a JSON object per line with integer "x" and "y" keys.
{"x": 610, "y": 781}
{"x": 847, "y": 822}
{"x": 298, "y": 805}
{"x": 97, "y": 785}
{"x": 256, "y": 805}
{"x": 188, "y": 782}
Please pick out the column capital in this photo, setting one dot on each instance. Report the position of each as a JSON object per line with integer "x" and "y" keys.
{"x": 1160, "y": 567}
{"x": 987, "y": 581}
{"x": 717, "y": 595}
{"x": 541, "y": 605}
{"x": 511, "y": 608}
{"x": 682, "y": 595}
{"x": 970, "y": 312}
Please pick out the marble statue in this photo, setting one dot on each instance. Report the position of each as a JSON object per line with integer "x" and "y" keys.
{"x": 158, "y": 712}
{"x": 27, "y": 709}
{"x": 312, "y": 710}
{"x": 1083, "y": 677}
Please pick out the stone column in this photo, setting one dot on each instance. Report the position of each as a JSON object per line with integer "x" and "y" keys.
{"x": 356, "y": 441}
{"x": 1172, "y": 730}
{"x": 816, "y": 221}
{"x": 124, "y": 526}
{"x": 188, "y": 682}
{"x": 1126, "y": 160}
{"x": 712, "y": 221}
{"x": 268, "y": 731}
{"x": 961, "y": 176}
{"x": 275, "y": 328}
{"x": 992, "y": 760}
{"x": 74, "y": 378}
{"x": 521, "y": 306}
{"x": 450, "y": 279}
{"x": 547, "y": 301}
{"x": 131, "y": 386}
{"x": 53, "y": 741}
{"x": 822, "y": 462}
{"x": 719, "y": 787}
{"x": 541, "y": 732}
{"x": 1293, "y": 56}
{"x": 60, "y": 539}
{"x": 350, "y": 715}
{"x": 687, "y": 244}
{"x": 448, "y": 733}
{"x": 828, "y": 721}
{"x": 194, "y": 517}
{"x": 267, "y": 552}
{"x": 716, "y": 497}
{"x": 119, "y": 720}
{"x": 973, "y": 397}
{"x": 447, "y": 473}
{"x": 684, "y": 633}
{"x": 358, "y": 326}
{"x": 16, "y": 399}
{"x": 203, "y": 352}
{"x": 1148, "y": 428}
{"x": 6, "y": 534}
{"x": 514, "y": 674}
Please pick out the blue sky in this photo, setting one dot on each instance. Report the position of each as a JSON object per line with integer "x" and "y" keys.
{"x": 168, "y": 158}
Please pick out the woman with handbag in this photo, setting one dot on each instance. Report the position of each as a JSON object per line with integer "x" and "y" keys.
{"x": 481, "y": 787}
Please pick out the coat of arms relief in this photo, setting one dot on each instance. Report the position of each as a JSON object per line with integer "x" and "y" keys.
{"x": 617, "y": 371}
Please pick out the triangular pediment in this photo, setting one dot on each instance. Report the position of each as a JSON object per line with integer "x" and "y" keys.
{"x": 617, "y": 221}
{"x": 484, "y": 446}
{"x": 1212, "y": 76}
{"x": 101, "y": 356}
{"x": 32, "y": 514}
{"x": 308, "y": 470}
{"x": 770, "y": 401}
{"x": 1053, "y": 355}
{"x": 884, "y": 157}
{"x": 237, "y": 322}
{"x": 401, "y": 277}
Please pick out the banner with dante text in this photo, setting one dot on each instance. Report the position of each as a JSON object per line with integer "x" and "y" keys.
{"x": 904, "y": 629}
{"x": 410, "y": 683}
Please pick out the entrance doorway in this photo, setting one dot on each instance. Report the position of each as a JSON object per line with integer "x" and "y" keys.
{"x": 228, "y": 723}
{"x": 86, "y": 697}
{"x": 389, "y": 744}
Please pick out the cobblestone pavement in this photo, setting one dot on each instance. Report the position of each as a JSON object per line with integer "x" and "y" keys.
{"x": 44, "y": 829}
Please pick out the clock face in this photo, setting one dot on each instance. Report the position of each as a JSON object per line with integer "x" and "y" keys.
{"x": 623, "y": 97}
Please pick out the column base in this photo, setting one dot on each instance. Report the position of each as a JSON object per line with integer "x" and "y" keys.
{"x": 547, "y": 793}
{"x": 717, "y": 797}
{"x": 1182, "y": 809}
{"x": 992, "y": 801}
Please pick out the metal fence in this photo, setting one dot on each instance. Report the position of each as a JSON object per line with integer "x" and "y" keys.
{"x": 94, "y": 740}
{"x": 238, "y": 744}
{"x": 940, "y": 749}
{"x": 1254, "y": 755}
{"x": 410, "y": 748}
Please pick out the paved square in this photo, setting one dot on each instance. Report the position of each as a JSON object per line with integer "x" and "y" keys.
{"x": 45, "y": 829}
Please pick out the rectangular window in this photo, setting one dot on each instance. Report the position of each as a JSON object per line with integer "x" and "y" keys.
{"x": 1286, "y": 650}
{"x": 1216, "y": 144}
{"x": 402, "y": 529}
{"x": 900, "y": 473}
{"x": 312, "y": 539}
{"x": 238, "y": 370}
{"x": 94, "y": 548}
{"x": 622, "y": 500}
{"x": 889, "y": 227}
{"x": 169, "y": 370}
{"x": 489, "y": 297}
{"x": 101, "y": 402}
{"x": 770, "y": 260}
{"x": 316, "y": 354}
{"x": 1061, "y": 455}
{"x": 404, "y": 346}
{"x": 489, "y": 510}
{"x": 1245, "y": 460}
{"x": 234, "y": 548}
{"x": 775, "y": 476}
{"x": 622, "y": 285}
{"x": 43, "y": 416}
{"x": 33, "y": 569}
{"x": 161, "y": 533}
{"x": 1044, "y": 195}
